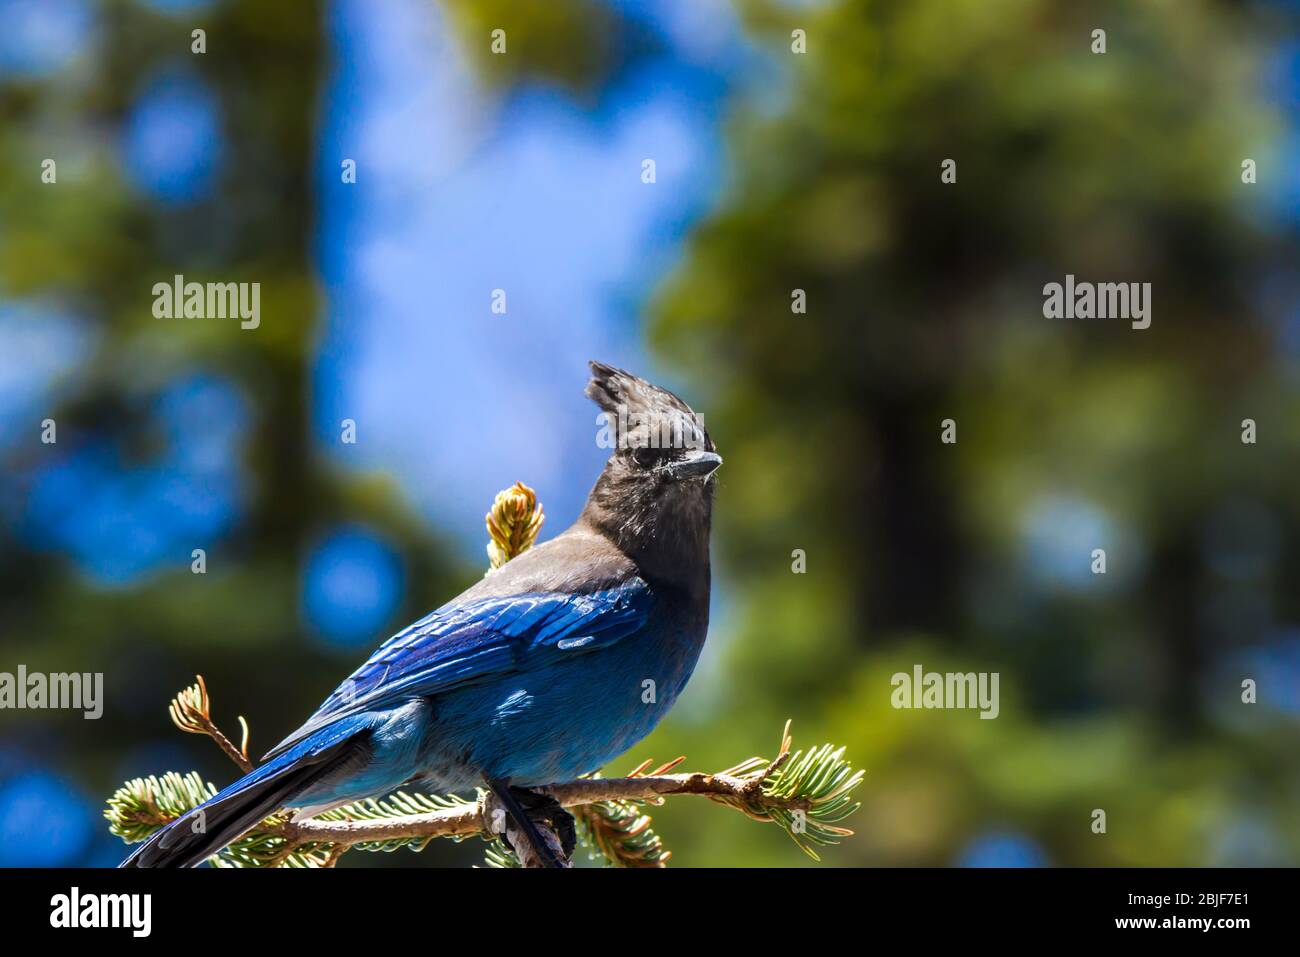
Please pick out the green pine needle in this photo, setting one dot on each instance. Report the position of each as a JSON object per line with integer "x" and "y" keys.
{"x": 619, "y": 833}
{"x": 143, "y": 805}
{"x": 824, "y": 779}
{"x": 807, "y": 793}
{"x": 498, "y": 855}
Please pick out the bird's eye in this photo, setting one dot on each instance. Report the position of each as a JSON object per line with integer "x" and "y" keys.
{"x": 646, "y": 458}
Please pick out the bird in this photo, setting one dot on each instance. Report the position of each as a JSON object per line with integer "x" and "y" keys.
{"x": 545, "y": 670}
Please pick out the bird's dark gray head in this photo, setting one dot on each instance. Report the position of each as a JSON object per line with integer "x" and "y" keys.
{"x": 655, "y": 496}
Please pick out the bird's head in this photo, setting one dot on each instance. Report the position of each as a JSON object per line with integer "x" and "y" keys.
{"x": 657, "y": 488}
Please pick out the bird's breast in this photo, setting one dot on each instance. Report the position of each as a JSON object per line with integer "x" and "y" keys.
{"x": 570, "y": 717}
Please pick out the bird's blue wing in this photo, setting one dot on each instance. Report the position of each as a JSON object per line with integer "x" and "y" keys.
{"x": 463, "y": 643}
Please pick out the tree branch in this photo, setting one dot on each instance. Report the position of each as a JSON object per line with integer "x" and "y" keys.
{"x": 738, "y": 792}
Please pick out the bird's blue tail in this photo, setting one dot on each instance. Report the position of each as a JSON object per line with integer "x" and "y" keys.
{"x": 198, "y": 834}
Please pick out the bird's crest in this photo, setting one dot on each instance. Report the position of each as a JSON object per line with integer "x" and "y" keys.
{"x": 612, "y": 389}
{"x": 641, "y": 413}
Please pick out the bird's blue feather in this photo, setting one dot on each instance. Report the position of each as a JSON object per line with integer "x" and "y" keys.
{"x": 460, "y": 644}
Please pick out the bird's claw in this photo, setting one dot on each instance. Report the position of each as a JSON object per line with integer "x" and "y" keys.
{"x": 553, "y": 842}
{"x": 544, "y": 809}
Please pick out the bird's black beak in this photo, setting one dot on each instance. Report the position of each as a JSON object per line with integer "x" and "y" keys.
{"x": 695, "y": 464}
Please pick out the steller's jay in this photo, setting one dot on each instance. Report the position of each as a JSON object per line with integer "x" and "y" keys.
{"x": 547, "y": 669}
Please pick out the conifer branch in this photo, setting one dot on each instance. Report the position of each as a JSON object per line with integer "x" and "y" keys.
{"x": 191, "y": 711}
{"x": 807, "y": 794}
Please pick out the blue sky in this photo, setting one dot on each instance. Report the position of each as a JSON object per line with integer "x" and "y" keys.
{"x": 458, "y": 194}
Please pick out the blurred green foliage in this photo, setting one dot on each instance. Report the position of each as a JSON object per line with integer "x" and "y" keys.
{"x": 568, "y": 42}
{"x": 924, "y": 303}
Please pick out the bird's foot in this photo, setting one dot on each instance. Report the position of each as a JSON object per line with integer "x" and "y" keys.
{"x": 544, "y": 809}
{"x": 547, "y": 829}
